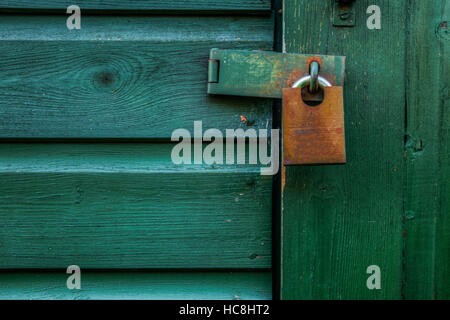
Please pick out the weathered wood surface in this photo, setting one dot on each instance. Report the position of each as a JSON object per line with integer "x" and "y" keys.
{"x": 159, "y": 5}
{"x": 338, "y": 220}
{"x": 137, "y": 286}
{"x": 127, "y": 206}
{"x": 427, "y": 208}
{"x": 120, "y": 77}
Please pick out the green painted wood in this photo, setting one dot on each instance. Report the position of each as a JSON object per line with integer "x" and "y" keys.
{"x": 338, "y": 220}
{"x": 265, "y": 74}
{"x": 128, "y": 206}
{"x": 184, "y": 5}
{"x": 443, "y": 225}
{"x": 120, "y": 77}
{"x": 427, "y": 220}
{"x": 137, "y": 286}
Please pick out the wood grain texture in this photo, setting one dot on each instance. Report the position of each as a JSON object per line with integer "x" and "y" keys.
{"x": 427, "y": 219}
{"x": 338, "y": 220}
{"x": 137, "y": 286}
{"x": 127, "y": 206}
{"x": 159, "y": 5}
{"x": 120, "y": 77}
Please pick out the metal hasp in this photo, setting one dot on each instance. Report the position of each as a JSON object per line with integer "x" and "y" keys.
{"x": 266, "y": 73}
{"x": 343, "y": 13}
{"x": 312, "y": 133}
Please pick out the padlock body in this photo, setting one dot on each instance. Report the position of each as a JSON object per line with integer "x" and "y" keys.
{"x": 313, "y": 134}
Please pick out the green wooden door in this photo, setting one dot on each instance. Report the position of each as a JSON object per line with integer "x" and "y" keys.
{"x": 86, "y": 118}
{"x": 388, "y": 206}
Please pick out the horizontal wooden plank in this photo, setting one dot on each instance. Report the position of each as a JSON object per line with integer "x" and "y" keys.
{"x": 120, "y": 77}
{"x": 137, "y": 286}
{"x": 185, "y": 5}
{"x": 128, "y": 206}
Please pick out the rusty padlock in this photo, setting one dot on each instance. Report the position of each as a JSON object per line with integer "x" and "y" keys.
{"x": 313, "y": 134}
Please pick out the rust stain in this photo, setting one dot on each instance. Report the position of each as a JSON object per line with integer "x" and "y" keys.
{"x": 311, "y": 59}
{"x": 243, "y": 119}
{"x": 294, "y": 76}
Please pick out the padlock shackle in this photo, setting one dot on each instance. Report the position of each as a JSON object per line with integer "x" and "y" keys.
{"x": 302, "y": 82}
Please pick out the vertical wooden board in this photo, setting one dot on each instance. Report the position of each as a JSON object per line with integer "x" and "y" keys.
{"x": 427, "y": 249}
{"x": 442, "y": 290}
{"x": 443, "y": 225}
{"x": 338, "y": 220}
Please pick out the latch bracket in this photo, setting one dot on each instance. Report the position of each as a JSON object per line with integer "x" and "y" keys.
{"x": 343, "y": 13}
{"x": 266, "y": 73}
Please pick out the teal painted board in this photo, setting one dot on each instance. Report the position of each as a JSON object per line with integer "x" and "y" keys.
{"x": 159, "y": 5}
{"x": 427, "y": 210}
{"x": 137, "y": 286}
{"x": 121, "y": 77}
{"x": 339, "y": 220}
{"x": 128, "y": 206}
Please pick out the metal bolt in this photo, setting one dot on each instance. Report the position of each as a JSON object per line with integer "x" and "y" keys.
{"x": 345, "y": 15}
